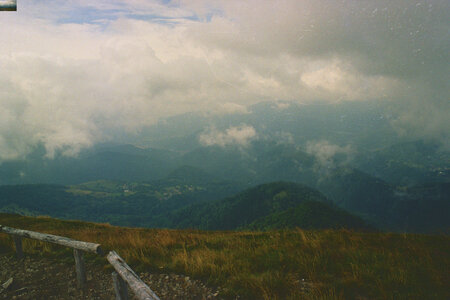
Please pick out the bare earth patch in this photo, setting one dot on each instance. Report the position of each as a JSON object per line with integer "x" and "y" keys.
{"x": 47, "y": 278}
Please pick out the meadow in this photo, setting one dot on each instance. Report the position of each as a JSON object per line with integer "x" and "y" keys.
{"x": 286, "y": 264}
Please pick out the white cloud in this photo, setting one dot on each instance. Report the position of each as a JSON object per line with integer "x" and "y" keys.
{"x": 334, "y": 81}
{"x": 232, "y": 108}
{"x": 238, "y": 135}
{"x": 325, "y": 152}
{"x": 68, "y": 81}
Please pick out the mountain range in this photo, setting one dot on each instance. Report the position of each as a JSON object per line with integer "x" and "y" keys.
{"x": 391, "y": 182}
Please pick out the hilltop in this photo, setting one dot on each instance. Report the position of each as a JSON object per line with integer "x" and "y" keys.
{"x": 287, "y": 264}
{"x": 275, "y": 205}
{"x": 310, "y": 215}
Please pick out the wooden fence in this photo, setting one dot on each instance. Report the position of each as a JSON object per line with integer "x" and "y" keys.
{"x": 121, "y": 277}
{"x": 125, "y": 274}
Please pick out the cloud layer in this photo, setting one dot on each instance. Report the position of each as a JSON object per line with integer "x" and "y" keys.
{"x": 233, "y": 136}
{"x": 326, "y": 153}
{"x": 73, "y": 77}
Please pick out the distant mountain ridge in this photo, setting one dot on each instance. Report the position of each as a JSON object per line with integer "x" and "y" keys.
{"x": 263, "y": 206}
{"x": 382, "y": 182}
{"x": 273, "y": 205}
{"x": 185, "y": 203}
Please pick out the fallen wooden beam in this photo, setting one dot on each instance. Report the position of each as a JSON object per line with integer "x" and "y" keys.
{"x": 60, "y": 240}
{"x": 140, "y": 289}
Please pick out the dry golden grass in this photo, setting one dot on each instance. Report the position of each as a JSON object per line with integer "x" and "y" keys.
{"x": 334, "y": 264}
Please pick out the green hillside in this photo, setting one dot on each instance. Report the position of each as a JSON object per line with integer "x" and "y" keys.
{"x": 246, "y": 207}
{"x": 310, "y": 215}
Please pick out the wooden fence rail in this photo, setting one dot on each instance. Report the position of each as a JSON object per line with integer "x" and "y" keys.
{"x": 125, "y": 274}
{"x": 121, "y": 277}
{"x": 78, "y": 247}
{"x": 60, "y": 240}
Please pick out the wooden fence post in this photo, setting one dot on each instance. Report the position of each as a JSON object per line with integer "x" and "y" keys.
{"x": 18, "y": 244}
{"x": 80, "y": 268}
{"x": 120, "y": 286}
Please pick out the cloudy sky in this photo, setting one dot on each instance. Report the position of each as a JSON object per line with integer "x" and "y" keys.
{"x": 72, "y": 72}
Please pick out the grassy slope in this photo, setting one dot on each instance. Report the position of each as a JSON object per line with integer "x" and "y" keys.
{"x": 269, "y": 265}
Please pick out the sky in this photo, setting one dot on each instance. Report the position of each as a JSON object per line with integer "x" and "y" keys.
{"x": 72, "y": 72}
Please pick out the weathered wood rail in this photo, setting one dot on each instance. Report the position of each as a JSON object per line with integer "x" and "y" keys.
{"x": 60, "y": 240}
{"x": 121, "y": 277}
{"x": 124, "y": 274}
